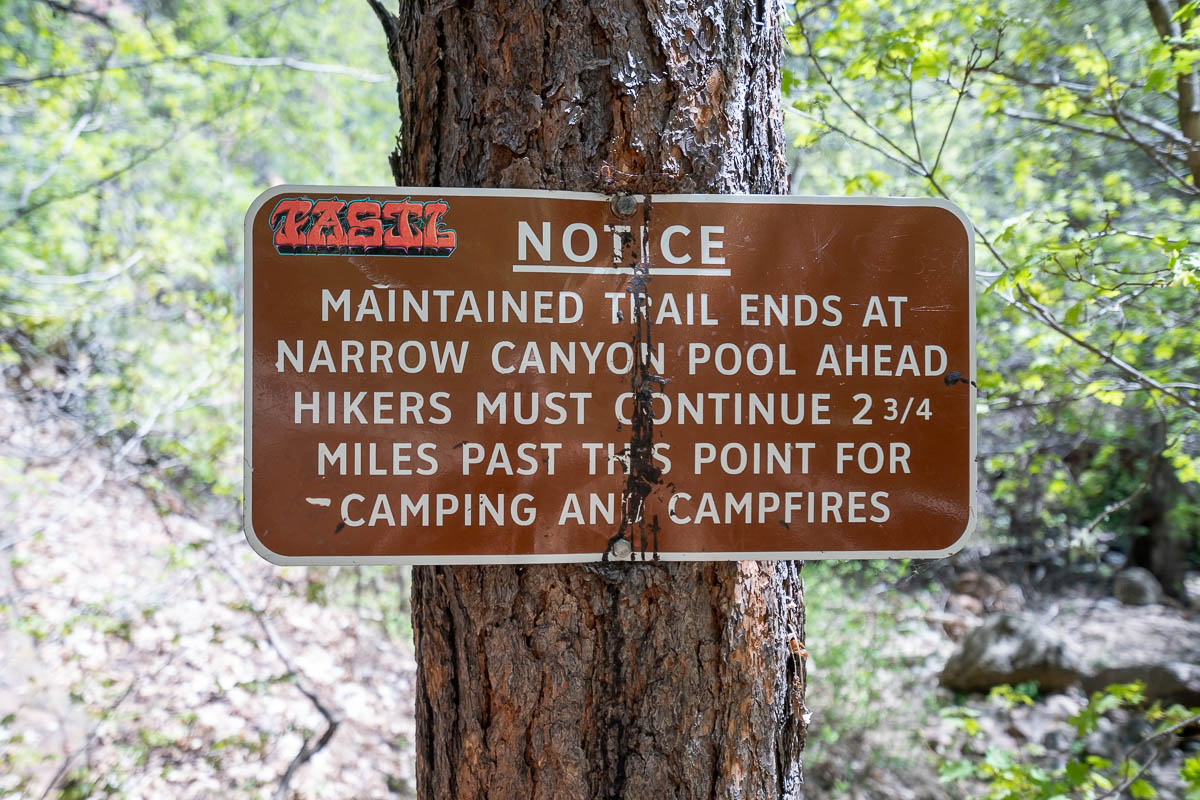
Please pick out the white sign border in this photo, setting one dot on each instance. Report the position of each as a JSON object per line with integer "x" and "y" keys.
{"x": 579, "y": 558}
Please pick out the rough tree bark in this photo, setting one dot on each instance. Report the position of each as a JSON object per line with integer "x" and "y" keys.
{"x": 604, "y": 680}
{"x": 1174, "y": 31}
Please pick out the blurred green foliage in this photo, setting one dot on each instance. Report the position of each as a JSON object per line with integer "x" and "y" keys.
{"x": 861, "y": 675}
{"x": 1056, "y": 127}
{"x": 135, "y": 136}
{"x": 1002, "y": 774}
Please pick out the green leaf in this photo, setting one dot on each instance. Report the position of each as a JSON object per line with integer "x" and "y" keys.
{"x": 998, "y": 759}
{"x": 1142, "y": 790}
{"x": 1077, "y": 772}
{"x": 1189, "y": 771}
{"x": 954, "y": 771}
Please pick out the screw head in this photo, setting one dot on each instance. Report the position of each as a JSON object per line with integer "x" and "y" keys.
{"x": 621, "y": 549}
{"x": 623, "y": 205}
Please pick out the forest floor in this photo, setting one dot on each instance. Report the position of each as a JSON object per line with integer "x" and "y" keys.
{"x": 146, "y": 651}
{"x": 882, "y": 725}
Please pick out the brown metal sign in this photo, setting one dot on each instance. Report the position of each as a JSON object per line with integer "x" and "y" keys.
{"x": 471, "y": 376}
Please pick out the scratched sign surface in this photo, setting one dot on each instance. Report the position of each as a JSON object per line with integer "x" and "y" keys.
{"x": 469, "y": 376}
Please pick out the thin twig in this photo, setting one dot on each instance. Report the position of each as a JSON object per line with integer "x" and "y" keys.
{"x": 332, "y": 720}
{"x": 912, "y": 116}
{"x": 87, "y": 277}
{"x": 1162, "y": 736}
{"x": 972, "y": 62}
{"x": 105, "y": 64}
{"x": 1113, "y": 508}
{"x": 72, "y": 8}
{"x": 1016, "y": 113}
{"x": 84, "y": 123}
{"x": 296, "y": 64}
{"x": 175, "y": 135}
{"x": 69, "y": 759}
{"x": 812, "y": 57}
{"x": 857, "y": 140}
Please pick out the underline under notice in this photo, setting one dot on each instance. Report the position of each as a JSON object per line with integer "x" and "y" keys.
{"x": 578, "y": 270}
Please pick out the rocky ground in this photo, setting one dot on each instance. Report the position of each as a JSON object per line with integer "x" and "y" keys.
{"x": 147, "y": 653}
{"x": 980, "y": 620}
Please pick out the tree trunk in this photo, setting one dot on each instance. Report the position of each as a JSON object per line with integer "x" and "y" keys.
{"x": 1174, "y": 31}
{"x": 606, "y": 680}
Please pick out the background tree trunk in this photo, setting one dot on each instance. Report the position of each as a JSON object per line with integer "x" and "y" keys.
{"x": 601, "y": 680}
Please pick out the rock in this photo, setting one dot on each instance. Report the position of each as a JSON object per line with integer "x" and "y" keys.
{"x": 1012, "y": 649}
{"x": 1010, "y": 599}
{"x": 1171, "y": 682}
{"x": 1116, "y": 734}
{"x": 1137, "y": 586}
{"x": 980, "y": 585}
{"x": 1116, "y": 635}
{"x": 962, "y": 613}
{"x": 1058, "y": 740}
{"x": 992, "y": 593}
{"x": 1191, "y": 589}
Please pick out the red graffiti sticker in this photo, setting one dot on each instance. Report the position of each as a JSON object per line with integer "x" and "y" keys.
{"x": 302, "y": 225}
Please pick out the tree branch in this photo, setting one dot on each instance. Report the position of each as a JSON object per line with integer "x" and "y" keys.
{"x": 72, "y": 8}
{"x": 812, "y": 57}
{"x": 1162, "y": 736}
{"x": 92, "y": 733}
{"x": 857, "y": 140}
{"x": 297, "y": 64}
{"x": 1023, "y": 302}
{"x": 86, "y": 122}
{"x": 1016, "y": 113}
{"x": 173, "y": 137}
{"x": 1041, "y": 313}
{"x": 972, "y": 63}
{"x": 105, "y": 66}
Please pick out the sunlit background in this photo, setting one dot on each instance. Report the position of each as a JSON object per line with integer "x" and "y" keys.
{"x": 146, "y": 652}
